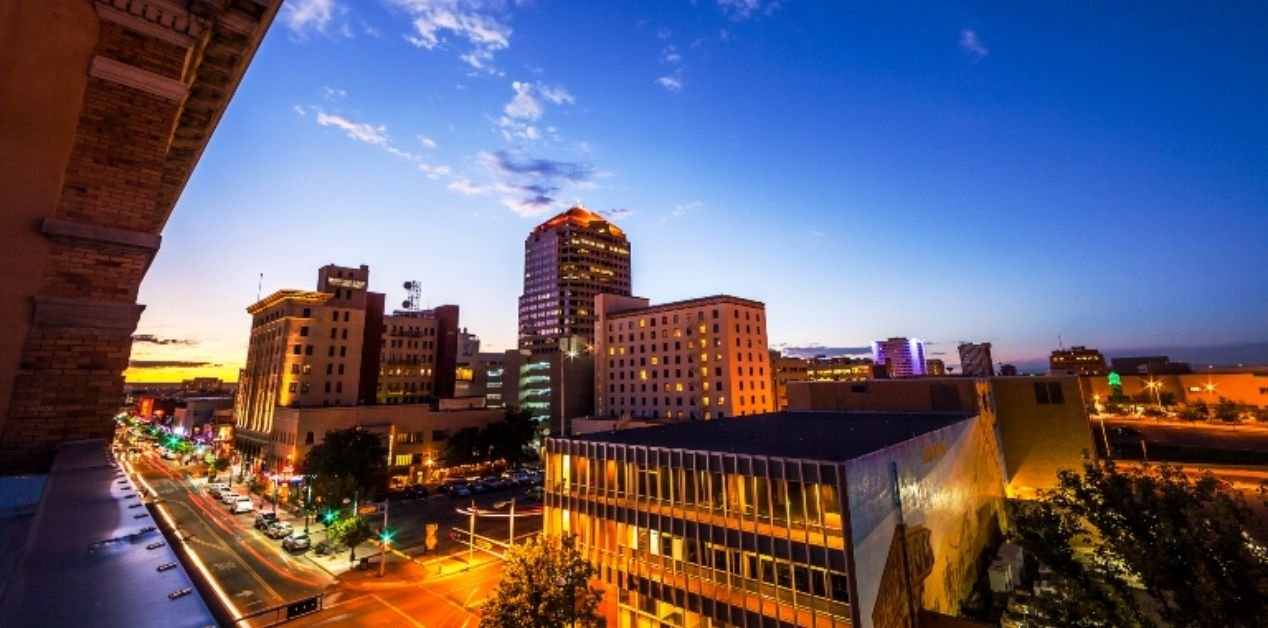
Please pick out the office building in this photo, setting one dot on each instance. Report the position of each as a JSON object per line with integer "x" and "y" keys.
{"x": 784, "y": 519}
{"x": 1243, "y": 386}
{"x": 568, "y": 260}
{"x": 902, "y": 357}
{"x": 1077, "y": 360}
{"x": 1042, "y": 421}
{"x": 935, "y": 367}
{"x": 414, "y": 435}
{"x": 844, "y": 369}
{"x": 975, "y": 359}
{"x": 784, "y": 369}
{"x": 1149, "y": 365}
{"x": 335, "y": 347}
{"x": 697, "y": 359}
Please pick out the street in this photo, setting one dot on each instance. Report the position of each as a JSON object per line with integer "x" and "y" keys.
{"x": 436, "y": 588}
{"x": 1248, "y": 437}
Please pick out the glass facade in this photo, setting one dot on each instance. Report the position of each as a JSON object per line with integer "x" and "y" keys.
{"x": 695, "y": 538}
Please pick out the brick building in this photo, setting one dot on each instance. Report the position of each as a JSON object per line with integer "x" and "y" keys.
{"x": 105, "y": 108}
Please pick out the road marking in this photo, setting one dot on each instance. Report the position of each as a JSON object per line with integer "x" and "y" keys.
{"x": 397, "y": 610}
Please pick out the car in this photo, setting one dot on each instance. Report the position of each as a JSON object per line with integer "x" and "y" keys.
{"x": 477, "y": 488}
{"x": 535, "y": 493}
{"x": 279, "y": 529}
{"x": 492, "y": 483}
{"x": 296, "y": 542}
{"x": 417, "y": 490}
{"x": 228, "y": 497}
{"x": 264, "y": 520}
{"x": 243, "y": 505}
{"x": 214, "y": 488}
{"x": 459, "y": 491}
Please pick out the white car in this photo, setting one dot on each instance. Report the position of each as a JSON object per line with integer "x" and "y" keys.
{"x": 228, "y": 497}
{"x": 242, "y": 505}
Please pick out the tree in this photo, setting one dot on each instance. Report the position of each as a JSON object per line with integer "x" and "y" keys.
{"x": 345, "y": 463}
{"x": 218, "y": 465}
{"x": 1190, "y": 544}
{"x": 511, "y": 438}
{"x": 545, "y": 584}
{"x": 1227, "y": 410}
{"x": 350, "y": 531}
{"x": 464, "y": 447}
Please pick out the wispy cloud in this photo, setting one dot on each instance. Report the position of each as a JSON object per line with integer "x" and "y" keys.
{"x": 156, "y": 340}
{"x": 302, "y": 15}
{"x": 617, "y": 214}
{"x": 169, "y": 364}
{"x": 740, "y": 10}
{"x": 466, "y": 187}
{"x": 972, "y": 43}
{"x": 434, "y": 172}
{"x": 681, "y": 210}
{"x": 360, "y": 131}
{"x": 670, "y": 82}
{"x": 526, "y": 104}
{"x": 333, "y": 93}
{"x": 670, "y": 55}
{"x": 480, "y": 24}
{"x": 427, "y": 141}
{"x": 529, "y": 186}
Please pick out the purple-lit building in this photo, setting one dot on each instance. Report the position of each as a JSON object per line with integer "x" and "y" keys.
{"x": 903, "y": 357}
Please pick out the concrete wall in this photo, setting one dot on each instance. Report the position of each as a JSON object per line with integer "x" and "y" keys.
{"x": 926, "y": 546}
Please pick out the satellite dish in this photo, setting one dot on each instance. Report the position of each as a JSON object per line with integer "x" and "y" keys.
{"x": 405, "y": 304}
{"x": 408, "y": 285}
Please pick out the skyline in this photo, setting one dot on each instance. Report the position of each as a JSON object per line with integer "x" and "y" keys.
{"x": 865, "y": 176}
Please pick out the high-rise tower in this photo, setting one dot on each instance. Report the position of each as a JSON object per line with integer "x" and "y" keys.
{"x": 568, "y": 260}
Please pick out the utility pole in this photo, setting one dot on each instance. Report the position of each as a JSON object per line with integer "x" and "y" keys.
{"x": 308, "y": 500}
{"x": 511, "y": 540}
{"x": 384, "y": 541}
{"x": 471, "y": 536}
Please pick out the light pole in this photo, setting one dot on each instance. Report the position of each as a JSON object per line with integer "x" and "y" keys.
{"x": 471, "y": 536}
{"x": 385, "y": 539}
{"x": 1154, "y": 385}
{"x": 308, "y": 500}
{"x": 1100, "y": 416}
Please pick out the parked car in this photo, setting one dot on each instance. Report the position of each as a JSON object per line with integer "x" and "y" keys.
{"x": 296, "y": 542}
{"x": 212, "y": 488}
{"x": 242, "y": 506}
{"x": 477, "y": 488}
{"x": 459, "y": 491}
{"x": 493, "y": 483}
{"x": 264, "y": 519}
{"x": 535, "y": 493}
{"x": 228, "y": 497}
{"x": 417, "y": 490}
{"x": 279, "y": 529}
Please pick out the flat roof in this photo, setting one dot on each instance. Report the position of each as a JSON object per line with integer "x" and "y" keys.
{"x": 717, "y": 299}
{"x": 87, "y": 560}
{"x": 834, "y": 436}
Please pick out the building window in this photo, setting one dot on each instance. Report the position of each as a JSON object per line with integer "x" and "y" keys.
{"x": 292, "y": 387}
{"x": 298, "y": 349}
{"x": 308, "y": 350}
{"x": 308, "y": 369}
{"x": 303, "y": 331}
{"x": 308, "y": 312}
{"x": 295, "y": 369}
{"x": 1049, "y": 393}
{"x": 308, "y": 438}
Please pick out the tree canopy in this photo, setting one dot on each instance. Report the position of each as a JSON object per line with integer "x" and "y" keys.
{"x": 345, "y": 463}
{"x": 1191, "y": 543}
{"x": 510, "y": 439}
{"x": 545, "y": 583}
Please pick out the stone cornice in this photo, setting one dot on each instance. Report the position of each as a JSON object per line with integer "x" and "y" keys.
{"x": 97, "y": 233}
{"x": 85, "y": 313}
{"x": 108, "y": 69}
{"x": 164, "y": 19}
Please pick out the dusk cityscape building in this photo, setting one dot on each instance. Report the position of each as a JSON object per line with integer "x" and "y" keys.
{"x": 801, "y": 179}
{"x": 901, "y": 357}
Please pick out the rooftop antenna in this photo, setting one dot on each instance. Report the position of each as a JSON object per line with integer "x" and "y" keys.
{"x": 415, "y": 295}
{"x": 1060, "y": 345}
{"x": 259, "y": 287}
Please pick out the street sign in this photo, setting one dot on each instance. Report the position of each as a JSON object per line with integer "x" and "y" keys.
{"x": 372, "y": 508}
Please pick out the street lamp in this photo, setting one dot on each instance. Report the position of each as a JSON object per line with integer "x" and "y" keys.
{"x": 1154, "y": 386}
{"x": 1100, "y": 416}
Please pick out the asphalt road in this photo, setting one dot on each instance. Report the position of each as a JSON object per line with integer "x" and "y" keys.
{"x": 436, "y": 588}
{"x": 1240, "y": 437}
{"x": 250, "y": 568}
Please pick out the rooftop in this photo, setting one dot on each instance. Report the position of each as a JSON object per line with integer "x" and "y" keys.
{"x": 580, "y": 217}
{"x": 716, "y": 299}
{"x": 281, "y": 296}
{"x": 88, "y": 558}
{"x": 834, "y": 436}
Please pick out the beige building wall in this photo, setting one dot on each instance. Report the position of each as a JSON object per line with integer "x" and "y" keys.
{"x": 415, "y": 434}
{"x": 1249, "y": 387}
{"x": 704, "y": 358}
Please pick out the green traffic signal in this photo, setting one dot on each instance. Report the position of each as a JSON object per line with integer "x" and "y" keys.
{"x": 386, "y": 536}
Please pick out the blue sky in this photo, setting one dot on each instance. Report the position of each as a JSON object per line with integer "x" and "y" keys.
{"x": 951, "y": 171}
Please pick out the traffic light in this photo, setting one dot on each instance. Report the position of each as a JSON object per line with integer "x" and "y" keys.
{"x": 385, "y": 537}
{"x": 328, "y": 517}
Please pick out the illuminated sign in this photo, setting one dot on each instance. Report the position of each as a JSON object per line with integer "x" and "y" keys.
{"x": 355, "y": 284}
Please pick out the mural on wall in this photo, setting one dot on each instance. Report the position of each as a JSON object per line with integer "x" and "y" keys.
{"x": 950, "y": 490}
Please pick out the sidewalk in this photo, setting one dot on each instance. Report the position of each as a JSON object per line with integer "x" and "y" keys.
{"x": 402, "y": 569}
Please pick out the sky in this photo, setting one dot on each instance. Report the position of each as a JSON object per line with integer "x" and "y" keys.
{"x": 1017, "y": 173}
